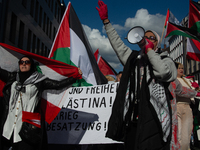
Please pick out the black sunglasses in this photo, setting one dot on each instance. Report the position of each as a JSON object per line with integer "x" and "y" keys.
{"x": 151, "y": 38}
{"x": 27, "y": 62}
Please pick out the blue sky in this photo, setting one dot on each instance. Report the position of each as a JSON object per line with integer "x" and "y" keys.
{"x": 125, "y": 14}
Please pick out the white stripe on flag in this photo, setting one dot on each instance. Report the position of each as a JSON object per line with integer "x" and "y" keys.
{"x": 79, "y": 56}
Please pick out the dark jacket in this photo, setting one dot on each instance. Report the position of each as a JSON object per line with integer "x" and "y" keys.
{"x": 9, "y": 78}
{"x": 145, "y": 132}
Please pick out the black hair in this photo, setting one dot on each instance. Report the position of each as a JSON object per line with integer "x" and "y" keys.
{"x": 120, "y": 72}
{"x": 24, "y": 75}
{"x": 33, "y": 66}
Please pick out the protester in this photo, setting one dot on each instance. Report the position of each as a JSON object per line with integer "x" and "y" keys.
{"x": 184, "y": 111}
{"x": 110, "y": 78}
{"x": 23, "y": 91}
{"x": 118, "y": 77}
{"x": 149, "y": 74}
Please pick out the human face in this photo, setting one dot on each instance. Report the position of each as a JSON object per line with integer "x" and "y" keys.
{"x": 119, "y": 77}
{"x": 24, "y": 64}
{"x": 180, "y": 71}
{"x": 151, "y": 37}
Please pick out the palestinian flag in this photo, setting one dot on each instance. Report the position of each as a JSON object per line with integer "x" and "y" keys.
{"x": 193, "y": 46}
{"x": 52, "y": 100}
{"x": 173, "y": 29}
{"x": 193, "y": 49}
{"x": 104, "y": 67}
{"x": 171, "y": 18}
{"x": 71, "y": 46}
{"x": 194, "y": 16}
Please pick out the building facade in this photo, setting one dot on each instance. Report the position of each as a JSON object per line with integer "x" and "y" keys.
{"x": 30, "y": 25}
{"x": 178, "y": 51}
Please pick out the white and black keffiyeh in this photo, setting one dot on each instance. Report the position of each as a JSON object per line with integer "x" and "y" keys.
{"x": 159, "y": 101}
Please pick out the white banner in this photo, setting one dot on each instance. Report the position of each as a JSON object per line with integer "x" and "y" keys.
{"x": 84, "y": 117}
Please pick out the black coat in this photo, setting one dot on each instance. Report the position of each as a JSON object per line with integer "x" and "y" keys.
{"x": 9, "y": 78}
{"x": 144, "y": 133}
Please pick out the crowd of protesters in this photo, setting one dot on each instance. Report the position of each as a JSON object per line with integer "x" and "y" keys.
{"x": 153, "y": 109}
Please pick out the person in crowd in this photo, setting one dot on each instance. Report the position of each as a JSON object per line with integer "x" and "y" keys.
{"x": 195, "y": 137}
{"x": 150, "y": 73}
{"x": 110, "y": 78}
{"x": 176, "y": 88}
{"x": 23, "y": 91}
{"x": 118, "y": 77}
{"x": 184, "y": 111}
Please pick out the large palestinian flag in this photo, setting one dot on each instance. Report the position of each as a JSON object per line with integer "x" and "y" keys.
{"x": 193, "y": 46}
{"x": 71, "y": 46}
{"x": 52, "y": 99}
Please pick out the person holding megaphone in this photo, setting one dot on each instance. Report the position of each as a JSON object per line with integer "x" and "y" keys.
{"x": 141, "y": 114}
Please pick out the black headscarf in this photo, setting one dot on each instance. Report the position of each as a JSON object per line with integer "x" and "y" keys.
{"x": 24, "y": 75}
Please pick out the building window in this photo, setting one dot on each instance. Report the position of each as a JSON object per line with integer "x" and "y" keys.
{"x": 38, "y": 47}
{"x": 32, "y": 7}
{"x": 24, "y": 3}
{"x": 49, "y": 2}
{"x": 33, "y": 44}
{"x": 58, "y": 19}
{"x": 29, "y": 40}
{"x": 55, "y": 12}
{"x": 40, "y": 17}
{"x": 52, "y": 6}
{"x": 47, "y": 30}
{"x": 13, "y": 28}
{"x": 50, "y": 29}
{"x": 194, "y": 66}
{"x": 45, "y": 54}
{"x": 21, "y": 35}
{"x": 42, "y": 49}
{"x": 44, "y": 22}
{"x": 36, "y": 11}
{"x": 54, "y": 33}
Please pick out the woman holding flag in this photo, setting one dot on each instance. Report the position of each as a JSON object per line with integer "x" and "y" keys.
{"x": 21, "y": 103}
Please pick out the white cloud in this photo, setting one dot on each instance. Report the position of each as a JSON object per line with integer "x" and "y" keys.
{"x": 147, "y": 21}
{"x": 101, "y": 42}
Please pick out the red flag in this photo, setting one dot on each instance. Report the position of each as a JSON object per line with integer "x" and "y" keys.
{"x": 193, "y": 46}
{"x": 104, "y": 67}
{"x": 167, "y": 18}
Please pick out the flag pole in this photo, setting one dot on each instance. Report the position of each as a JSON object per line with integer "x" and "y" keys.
{"x": 164, "y": 26}
{"x": 162, "y": 33}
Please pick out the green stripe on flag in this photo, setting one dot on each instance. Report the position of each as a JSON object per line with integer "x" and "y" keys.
{"x": 181, "y": 33}
{"x": 196, "y": 26}
{"x": 63, "y": 55}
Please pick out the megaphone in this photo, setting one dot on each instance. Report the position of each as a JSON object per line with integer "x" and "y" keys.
{"x": 136, "y": 36}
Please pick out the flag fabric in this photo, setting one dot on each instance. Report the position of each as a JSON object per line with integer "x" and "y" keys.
{"x": 193, "y": 49}
{"x": 32, "y": 118}
{"x": 171, "y": 18}
{"x": 104, "y": 67}
{"x": 193, "y": 46}
{"x": 194, "y": 16}
{"x": 174, "y": 27}
{"x": 52, "y": 100}
{"x": 71, "y": 46}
